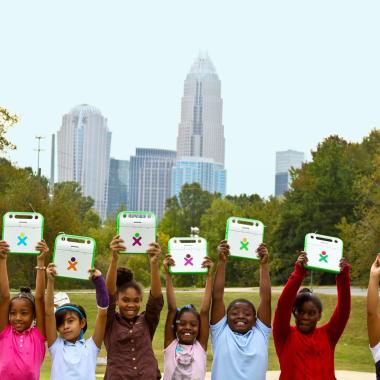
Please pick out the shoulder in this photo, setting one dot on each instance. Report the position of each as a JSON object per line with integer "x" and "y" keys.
{"x": 91, "y": 346}
{"x": 199, "y": 348}
{"x": 57, "y": 345}
{"x": 218, "y": 328}
{"x": 155, "y": 301}
{"x": 35, "y": 331}
{"x": 262, "y": 327}
{"x": 7, "y": 331}
{"x": 219, "y": 325}
{"x": 169, "y": 349}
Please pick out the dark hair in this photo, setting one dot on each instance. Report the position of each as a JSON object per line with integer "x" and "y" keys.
{"x": 125, "y": 280}
{"x": 27, "y": 294}
{"x": 306, "y": 295}
{"x": 190, "y": 308}
{"x": 62, "y": 311}
{"x": 241, "y": 300}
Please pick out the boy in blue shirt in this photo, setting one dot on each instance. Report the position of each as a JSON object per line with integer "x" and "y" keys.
{"x": 240, "y": 336}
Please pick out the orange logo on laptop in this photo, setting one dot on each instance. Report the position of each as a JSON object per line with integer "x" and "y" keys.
{"x": 72, "y": 264}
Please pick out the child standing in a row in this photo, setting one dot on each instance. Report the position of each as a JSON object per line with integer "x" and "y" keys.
{"x": 22, "y": 343}
{"x": 74, "y": 357}
{"x": 186, "y": 331}
{"x": 129, "y": 334}
{"x": 240, "y": 336}
{"x": 305, "y": 351}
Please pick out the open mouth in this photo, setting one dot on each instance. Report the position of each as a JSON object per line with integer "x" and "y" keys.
{"x": 240, "y": 324}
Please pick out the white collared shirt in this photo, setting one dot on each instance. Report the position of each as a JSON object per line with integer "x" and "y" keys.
{"x": 73, "y": 361}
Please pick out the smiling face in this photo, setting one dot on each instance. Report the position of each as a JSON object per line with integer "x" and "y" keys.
{"x": 307, "y": 317}
{"x": 129, "y": 302}
{"x": 241, "y": 317}
{"x": 187, "y": 327}
{"x": 71, "y": 326}
{"x": 21, "y": 314}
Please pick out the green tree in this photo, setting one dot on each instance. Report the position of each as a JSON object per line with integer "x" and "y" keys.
{"x": 7, "y": 120}
{"x": 322, "y": 193}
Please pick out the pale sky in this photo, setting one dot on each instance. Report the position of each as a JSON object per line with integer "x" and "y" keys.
{"x": 292, "y": 72}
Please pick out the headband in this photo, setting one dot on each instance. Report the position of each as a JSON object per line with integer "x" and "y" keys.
{"x": 70, "y": 307}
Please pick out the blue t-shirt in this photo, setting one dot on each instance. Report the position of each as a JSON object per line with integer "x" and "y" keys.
{"x": 73, "y": 361}
{"x": 239, "y": 356}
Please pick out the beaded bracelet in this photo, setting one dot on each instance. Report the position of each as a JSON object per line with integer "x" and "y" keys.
{"x": 40, "y": 268}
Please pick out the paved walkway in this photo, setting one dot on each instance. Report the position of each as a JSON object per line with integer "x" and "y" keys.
{"x": 340, "y": 375}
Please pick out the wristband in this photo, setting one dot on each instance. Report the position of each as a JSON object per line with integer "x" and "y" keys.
{"x": 40, "y": 268}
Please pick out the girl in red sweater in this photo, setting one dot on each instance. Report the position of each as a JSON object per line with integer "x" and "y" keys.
{"x": 305, "y": 351}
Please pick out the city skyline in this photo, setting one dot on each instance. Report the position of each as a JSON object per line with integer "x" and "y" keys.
{"x": 288, "y": 82}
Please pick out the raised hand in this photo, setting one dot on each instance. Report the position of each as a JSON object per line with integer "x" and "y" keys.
{"x": 43, "y": 249}
{"x": 154, "y": 252}
{"x": 208, "y": 263}
{"x": 51, "y": 272}
{"x": 94, "y": 273}
{"x": 262, "y": 254}
{"x": 223, "y": 250}
{"x": 302, "y": 259}
{"x": 375, "y": 268}
{"x": 4, "y": 249}
{"x": 343, "y": 264}
{"x": 168, "y": 262}
{"x": 116, "y": 245}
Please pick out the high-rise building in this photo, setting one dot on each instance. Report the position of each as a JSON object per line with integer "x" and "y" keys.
{"x": 210, "y": 175}
{"x": 286, "y": 160}
{"x": 201, "y": 132}
{"x": 118, "y": 185}
{"x": 84, "y": 142}
{"x": 150, "y": 179}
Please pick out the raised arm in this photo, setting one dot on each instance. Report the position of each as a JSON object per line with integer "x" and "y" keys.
{"x": 264, "y": 311}
{"x": 339, "y": 319}
{"x": 172, "y": 307}
{"x": 116, "y": 246}
{"x": 50, "y": 324}
{"x": 373, "y": 317}
{"x": 40, "y": 286}
{"x": 283, "y": 313}
{"x": 154, "y": 252}
{"x": 4, "y": 286}
{"x": 218, "y": 309}
{"x": 102, "y": 302}
{"x": 205, "y": 306}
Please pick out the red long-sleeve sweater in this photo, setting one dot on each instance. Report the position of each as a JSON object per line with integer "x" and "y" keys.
{"x": 309, "y": 356}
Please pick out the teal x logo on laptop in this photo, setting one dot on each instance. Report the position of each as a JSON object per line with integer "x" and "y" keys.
{"x": 22, "y": 239}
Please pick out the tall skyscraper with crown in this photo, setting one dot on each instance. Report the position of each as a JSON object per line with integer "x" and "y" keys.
{"x": 201, "y": 132}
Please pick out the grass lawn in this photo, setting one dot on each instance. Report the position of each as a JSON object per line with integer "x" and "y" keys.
{"x": 351, "y": 353}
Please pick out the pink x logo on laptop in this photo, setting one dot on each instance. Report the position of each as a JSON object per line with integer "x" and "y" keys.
{"x": 188, "y": 259}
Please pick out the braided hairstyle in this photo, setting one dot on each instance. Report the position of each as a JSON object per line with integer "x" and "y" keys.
{"x": 26, "y": 293}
